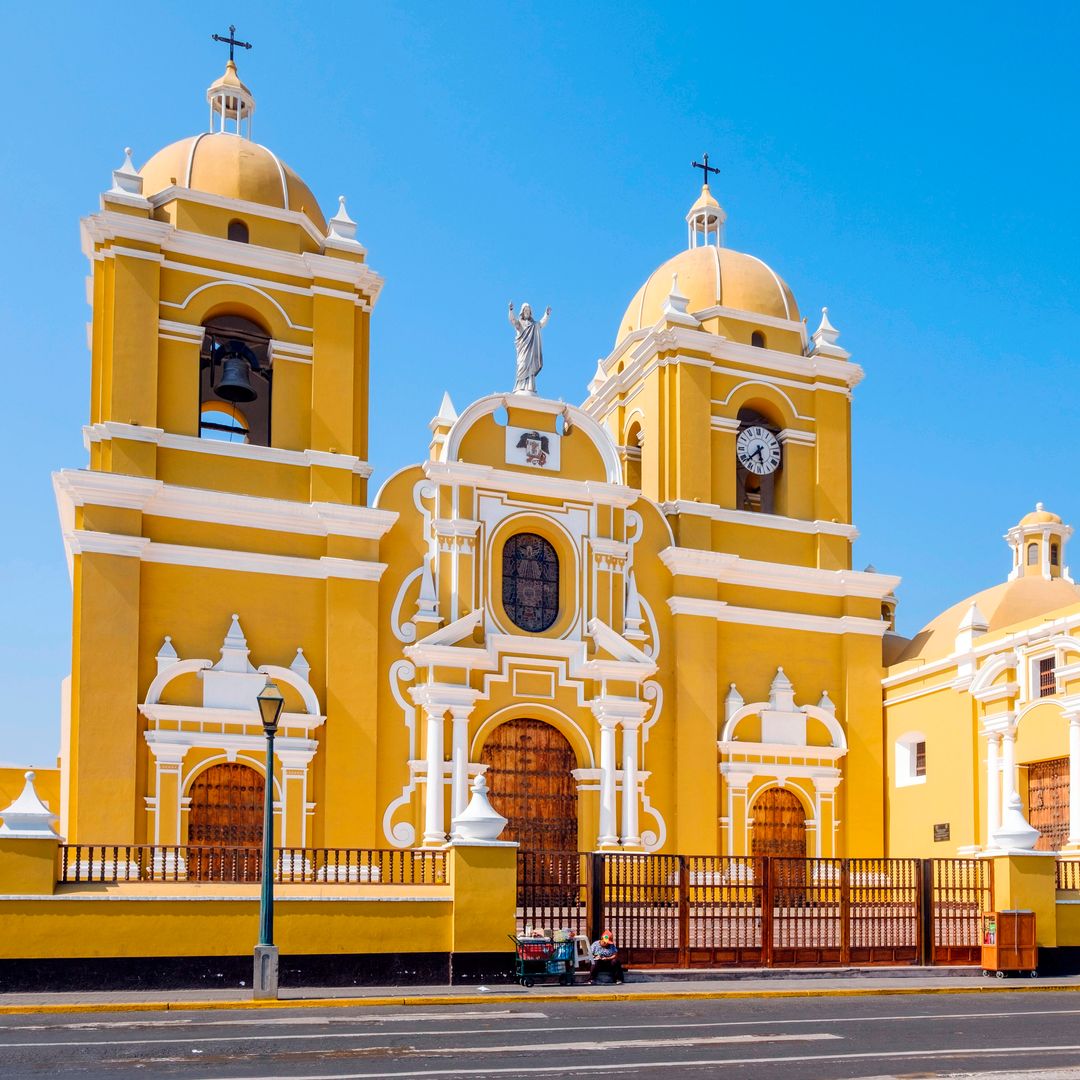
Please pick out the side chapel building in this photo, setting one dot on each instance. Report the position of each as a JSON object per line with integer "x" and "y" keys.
{"x": 638, "y": 615}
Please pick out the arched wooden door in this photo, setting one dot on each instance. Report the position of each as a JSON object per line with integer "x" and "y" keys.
{"x": 779, "y": 830}
{"x": 225, "y": 824}
{"x": 529, "y": 773}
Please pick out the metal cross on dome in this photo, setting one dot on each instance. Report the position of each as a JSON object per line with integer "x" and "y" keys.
{"x": 706, "y": 168}
{"x": 232, "y": 42}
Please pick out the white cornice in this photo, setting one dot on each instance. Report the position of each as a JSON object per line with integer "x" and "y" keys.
{"x": 177, "y": 193}
{"x": 110, "y": 429}
{"x": 107, "y": 226}
{"x": 1005, "y": 644}
{"x": 81, "y": 487}
{"x": 523, "y": 483}
{"x": 85, "y": 542}
{"x": 785, "y": 620}
{"x": 772, "y": 750}
{"x": 762, "y": 363}
{"x": 734, "y": 570}
{"x": 761, "y": 521}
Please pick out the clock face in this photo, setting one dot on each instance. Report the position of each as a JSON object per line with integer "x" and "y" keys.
{"x": 758, "y": 450}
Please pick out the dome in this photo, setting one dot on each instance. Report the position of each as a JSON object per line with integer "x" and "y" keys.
{"x": 1002, "y": 605}
{"x": 710, "y": 276}
{"x": 222, "y": 163}
{"x": 1040, "y": 516}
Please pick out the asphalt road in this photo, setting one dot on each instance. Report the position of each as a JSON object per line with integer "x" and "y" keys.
{"x": 793, "y": 1038}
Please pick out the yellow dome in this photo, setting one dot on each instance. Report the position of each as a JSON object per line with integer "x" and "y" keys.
{"x": 222, "y": 163}
{"x": 1040, "y": 516}
{"x": 711, "y": 276}
{"x": 1002, "y": 605}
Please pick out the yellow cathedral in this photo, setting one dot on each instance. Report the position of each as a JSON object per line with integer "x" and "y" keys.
{"x": 637, "y": 617}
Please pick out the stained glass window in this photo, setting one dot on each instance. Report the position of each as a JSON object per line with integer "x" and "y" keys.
{"x": 530, "y": 582}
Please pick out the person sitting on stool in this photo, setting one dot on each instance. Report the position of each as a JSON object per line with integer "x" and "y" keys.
{"x": 605, "y": 957}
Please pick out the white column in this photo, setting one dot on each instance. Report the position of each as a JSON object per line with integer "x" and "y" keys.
{"x": 1074, "y": 778}
{"x": 1046, "y": 555}
{"x": 434, "y": 826}
{"x": 608, "y": 837}
{"x": 1008, "y": 766}
{"x": 993, "y": 787}
{"x": 459, "y": 753}
{"x": 630, "y": 837}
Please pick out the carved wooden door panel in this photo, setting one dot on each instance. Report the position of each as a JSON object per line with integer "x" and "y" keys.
{"x": 779, "y": 829}
{"x": 529, "y": 772}
{"x": 1048, "y": 802}
{"x": 225, "y": 824}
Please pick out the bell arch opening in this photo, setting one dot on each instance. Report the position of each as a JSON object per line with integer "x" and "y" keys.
{"x": 529, "y": 768}
{"x": 235, "y": 381}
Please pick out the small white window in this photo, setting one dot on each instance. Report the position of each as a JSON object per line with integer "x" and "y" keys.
{"x": 1033, "y": 554}
{"x": 911, "y": 759}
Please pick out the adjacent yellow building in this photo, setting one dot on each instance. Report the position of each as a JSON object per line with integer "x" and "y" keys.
{"x": 638, "y": 616}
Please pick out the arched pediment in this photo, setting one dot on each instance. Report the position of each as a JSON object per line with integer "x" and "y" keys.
{"x": 580, "y": 425}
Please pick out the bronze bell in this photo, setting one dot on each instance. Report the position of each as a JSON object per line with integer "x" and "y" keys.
{"x": 235, "y": 384}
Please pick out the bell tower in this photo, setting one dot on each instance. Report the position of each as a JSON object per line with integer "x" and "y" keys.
{"x": 228, "y": 438}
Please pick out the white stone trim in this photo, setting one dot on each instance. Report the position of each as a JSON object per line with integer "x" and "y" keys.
{"x": 110, "y": 429}
{"x": 734, "y": 570}
{"x": 721, "y": 611}
{"x": 84, "y": 541}
{"x": 645, "y": 345}
{"x": 552, "y": 487}
{"x": 761, "y": 521}
{"x": 578, "y": 419}
{"x": 82, "y": 487}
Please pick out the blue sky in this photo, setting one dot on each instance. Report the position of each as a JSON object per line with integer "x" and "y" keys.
{"x": 914, "y": 167}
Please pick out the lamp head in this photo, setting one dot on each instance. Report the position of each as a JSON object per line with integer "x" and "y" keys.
{"x": 270, "y": 701}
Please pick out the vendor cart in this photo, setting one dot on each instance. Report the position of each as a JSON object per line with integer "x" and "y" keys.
{"x": 541, "y": 958}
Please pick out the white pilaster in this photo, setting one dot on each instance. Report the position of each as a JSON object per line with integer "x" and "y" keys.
{"x": 631, "y": 835}
{"x": 993, "y": 784}
{"x": 608, "y": 836}
{"x": 459, "y": 752}
{"x": 1008, "y": 766}
{"x": 434, "y": 821}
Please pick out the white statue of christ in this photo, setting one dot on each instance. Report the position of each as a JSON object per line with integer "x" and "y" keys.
{"x": 530, "y": 354}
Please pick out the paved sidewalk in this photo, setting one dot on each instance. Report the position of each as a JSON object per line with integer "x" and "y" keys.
{"x": 715, "y": 985}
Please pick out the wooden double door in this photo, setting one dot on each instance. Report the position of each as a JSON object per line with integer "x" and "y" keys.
{"x": 530, "y": 775}
{"x": 779, "y": 829}
{"x": 1048, "y": 802}
{"x": 225, "y": 824}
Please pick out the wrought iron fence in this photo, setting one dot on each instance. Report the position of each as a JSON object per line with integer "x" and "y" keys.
{"x": 115, "y": 863}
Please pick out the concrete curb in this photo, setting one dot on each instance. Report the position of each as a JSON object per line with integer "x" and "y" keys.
{"x": 496, "y": 998}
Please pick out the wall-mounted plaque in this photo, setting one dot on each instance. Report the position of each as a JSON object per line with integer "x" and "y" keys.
{"x": 941, "y": 832}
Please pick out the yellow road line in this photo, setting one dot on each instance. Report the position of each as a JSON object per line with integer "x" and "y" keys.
{"x": 497, "y": 998}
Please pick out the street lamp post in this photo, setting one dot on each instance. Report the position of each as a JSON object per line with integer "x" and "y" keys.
{"x": 265, "y": 982}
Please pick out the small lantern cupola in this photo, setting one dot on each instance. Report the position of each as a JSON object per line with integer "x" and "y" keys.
{"x": 705, "y": 219}
{"x": 1038, "y": 545}
{"x": 232, "y": 104}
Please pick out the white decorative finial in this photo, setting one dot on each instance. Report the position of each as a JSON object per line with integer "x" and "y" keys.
{"x": 1038, "y": 506}
{"x": 166, "y": 655}
{"x": 675, "y": 306}
{"x": 28, "y": 818}
{"x": 341, "y": 228}
{"x": 126, "y": 179}
{"x": 300, "y": 665}
{"x": 1014, "y": 833}
{"x": 479, "y": 822}
{"x": 234, "y": 650}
